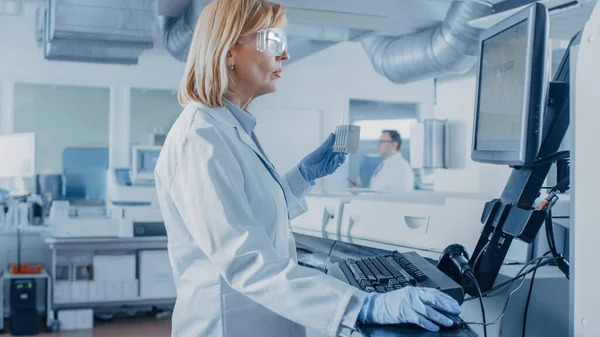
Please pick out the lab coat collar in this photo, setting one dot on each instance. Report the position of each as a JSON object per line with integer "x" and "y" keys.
{"x": 223, "y": 116}
{"x": 246, "y": 119}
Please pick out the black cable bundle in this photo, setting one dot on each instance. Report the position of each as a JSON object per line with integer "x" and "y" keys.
{"x": 471, "y": 276}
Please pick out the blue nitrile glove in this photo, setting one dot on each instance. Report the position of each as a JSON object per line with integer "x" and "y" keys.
{"x": 409, "y": 305}
{"x": 322, "y": 161}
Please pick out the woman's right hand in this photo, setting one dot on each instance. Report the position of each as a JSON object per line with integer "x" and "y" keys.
{"x": 419, "y": 306}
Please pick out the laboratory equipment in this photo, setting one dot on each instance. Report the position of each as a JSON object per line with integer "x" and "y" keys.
{"x": 49, "y": 187}
{"x": 84, "y": 173}
{"x": 132, "y": 192}
{"x": 127, "y": 206}
{"x": 134, "y": 186}
{"x": 347, "y": 138}
{"x": 512, "y": 84}
{"x": 521, "y": 136}
{"x": 72, "y": 219}
{"x": 7, "y": 277}
{"x": 144, "y": 160}
{"x": 25, "y": 320}
{"x": 429, "y": 145}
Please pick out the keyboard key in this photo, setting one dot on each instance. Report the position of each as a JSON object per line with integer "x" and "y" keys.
{"x": 409, "y": 267}
{"x": 378, "y": 275}
{"x": 367, "y": 272}
{"x": 381, "y": 267}
{"x": 403, "y": 282}
{"x": 380, "y": 289}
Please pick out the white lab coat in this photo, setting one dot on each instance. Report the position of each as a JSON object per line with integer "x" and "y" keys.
{"x": 230, "y": 245}
{"x": 395, "y": 175}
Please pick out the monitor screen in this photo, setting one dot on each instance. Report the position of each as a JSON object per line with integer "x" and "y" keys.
{"x": 502, "y": 90}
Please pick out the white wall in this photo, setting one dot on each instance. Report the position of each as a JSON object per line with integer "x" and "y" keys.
{"x": 61, "y": 116}
{"x": 150, "y": 109}
{"x": 455, "y": 101}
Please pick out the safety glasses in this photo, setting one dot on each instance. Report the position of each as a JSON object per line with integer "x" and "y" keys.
{"x": 272, "y": 41}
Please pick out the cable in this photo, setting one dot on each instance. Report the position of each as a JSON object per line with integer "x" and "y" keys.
{"x": 529, "y": 295}
{"x": 503, "y": 310}
{"x": 520, "y": 274}
{"x": 549, "y": 159}
{"x": 550, "y": 234}
{"x": 512, "y": 292}
{"x": 479, "y": 255}
{"x": 471, "y": 276}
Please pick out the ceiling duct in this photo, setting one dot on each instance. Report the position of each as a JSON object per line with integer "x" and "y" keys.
{"x": 178, "y": 31}
{"x": 303, "y": 40}
{"x": 102, "y": 31}
{"x": 446, "y": 49}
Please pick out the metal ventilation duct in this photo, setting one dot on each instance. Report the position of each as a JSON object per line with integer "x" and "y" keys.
{"x": 449, "y": 48}
{"x": 303, "y": 40}
{"x": 178, "y": 32}
{"x": 115, "y": 31}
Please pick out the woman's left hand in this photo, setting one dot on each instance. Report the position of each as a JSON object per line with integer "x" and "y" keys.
{"x": 322, "y": 161}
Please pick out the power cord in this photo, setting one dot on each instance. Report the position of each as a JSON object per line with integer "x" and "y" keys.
{"x": 522, "y": 276}
{"x": 471, "y": 276}
{"x": 529, "y": 294}
{"x": 549, "y": 159}
{"x": 547, "y": 205}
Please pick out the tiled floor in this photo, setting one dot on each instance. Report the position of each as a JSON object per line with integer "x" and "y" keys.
{"x": 122, "y": 327}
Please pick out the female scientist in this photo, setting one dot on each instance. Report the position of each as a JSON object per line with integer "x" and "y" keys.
{"x": 227, "y": 210}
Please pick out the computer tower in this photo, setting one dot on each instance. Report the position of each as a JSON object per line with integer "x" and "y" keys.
{"x": 25, "y": 320}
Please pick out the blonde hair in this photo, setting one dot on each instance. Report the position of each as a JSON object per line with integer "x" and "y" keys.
{"x": 219, "y": 27}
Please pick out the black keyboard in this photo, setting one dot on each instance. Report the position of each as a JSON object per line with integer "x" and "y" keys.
{"x": 385, "y": 273}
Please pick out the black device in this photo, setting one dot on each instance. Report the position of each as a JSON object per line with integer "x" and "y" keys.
{"x": 542, "y": 118}
{"x": 511, "y": 91}
{"x": 392, "y": 271}
{"x": 389, "y": 272}
{"x": 454, "y": 262}
{"x": 25, "y": 320}
{"x": 149, "y": 229}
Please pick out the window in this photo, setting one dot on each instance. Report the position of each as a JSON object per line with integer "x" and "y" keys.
{"x": 371, "y": 129}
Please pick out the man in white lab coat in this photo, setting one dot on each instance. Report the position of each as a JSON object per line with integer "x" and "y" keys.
{"x": 394, "y": 173}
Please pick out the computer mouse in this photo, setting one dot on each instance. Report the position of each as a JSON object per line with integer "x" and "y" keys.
{"x": 457, "y": 321}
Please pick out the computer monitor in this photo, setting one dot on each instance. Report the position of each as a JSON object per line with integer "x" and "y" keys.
{"x": 144, "y": 160}
{"x": 511, "y": 93}
{"x": 17, "y": 155}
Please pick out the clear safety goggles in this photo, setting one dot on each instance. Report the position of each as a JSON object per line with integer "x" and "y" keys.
{"x": 272, "y": 41}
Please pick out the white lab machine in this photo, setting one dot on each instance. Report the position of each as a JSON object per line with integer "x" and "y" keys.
{"x": 131, "y": 206}
{"x": 71, "y": 220}
{"x": 132, "y": 192}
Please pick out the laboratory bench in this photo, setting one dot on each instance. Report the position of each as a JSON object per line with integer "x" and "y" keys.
{"x": 99, "y": 245}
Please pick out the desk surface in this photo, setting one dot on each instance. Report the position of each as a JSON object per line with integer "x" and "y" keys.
{"x": 412, "y": 330}
{"x": 107, "y": 243}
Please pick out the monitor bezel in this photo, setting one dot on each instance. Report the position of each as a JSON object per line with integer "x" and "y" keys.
{"x": 536, "y": 80}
